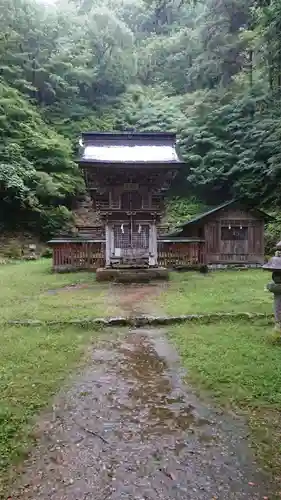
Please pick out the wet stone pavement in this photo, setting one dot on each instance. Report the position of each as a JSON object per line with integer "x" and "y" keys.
{"x": 129, "y": 428}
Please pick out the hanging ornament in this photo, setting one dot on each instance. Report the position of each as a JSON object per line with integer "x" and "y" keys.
{"x": 229, "y": 227}
{"x": 139, "y": 230}
{"x": 241, "y": 227}
{"x": 122, "y": 228}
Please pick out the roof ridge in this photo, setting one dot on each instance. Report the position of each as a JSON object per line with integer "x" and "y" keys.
{"x": 214, "y": 210}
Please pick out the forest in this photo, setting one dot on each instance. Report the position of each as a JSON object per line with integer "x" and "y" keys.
{"x": 210, "y": 71}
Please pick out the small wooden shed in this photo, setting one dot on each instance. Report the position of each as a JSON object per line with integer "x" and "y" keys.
{"x": 231, "y": 233}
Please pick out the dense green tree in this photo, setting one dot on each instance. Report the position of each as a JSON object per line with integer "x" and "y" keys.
{"x": 36, "y": 166}
{"x": 210, "y": 71}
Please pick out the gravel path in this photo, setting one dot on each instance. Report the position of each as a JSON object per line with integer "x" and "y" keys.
{"x": 130, "y": 429}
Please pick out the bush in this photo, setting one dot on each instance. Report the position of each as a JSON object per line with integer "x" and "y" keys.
{"x": 12, "y": 252}
{"x": 182, "y": 209}
{"x": 272, "y": 234}
{"x": 55, "y": 220}
{"x": 47, "y": 253}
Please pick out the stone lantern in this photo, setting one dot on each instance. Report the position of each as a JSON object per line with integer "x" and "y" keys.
{"x": 32, "y": 250}
{"x": 274, "y": 265}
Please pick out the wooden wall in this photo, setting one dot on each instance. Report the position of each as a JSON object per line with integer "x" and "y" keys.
{"x": 215, "y": 250}
{"x": 193, "y": 231}
{"x": 172, "y": 255}
{"x": 250, "y": 250}
{"x": 74, "y": 256}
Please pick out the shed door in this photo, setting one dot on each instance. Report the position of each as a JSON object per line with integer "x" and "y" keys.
{"x": 131, "y": 240}
{"x": 234, "y": 242}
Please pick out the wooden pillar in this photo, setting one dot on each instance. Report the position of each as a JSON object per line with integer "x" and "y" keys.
{"x": 108, "y": 240}
{"x": 153, "y": 254}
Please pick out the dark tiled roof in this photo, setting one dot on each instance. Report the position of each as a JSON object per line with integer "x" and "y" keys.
{"x": 122, "y": 136}
{"x": 207, "y": 213}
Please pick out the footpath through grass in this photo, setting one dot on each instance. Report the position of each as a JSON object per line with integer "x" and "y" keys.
{"x": 239, "y": 363}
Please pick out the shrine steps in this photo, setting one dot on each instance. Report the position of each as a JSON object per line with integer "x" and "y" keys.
{"x": 132, "y": 275}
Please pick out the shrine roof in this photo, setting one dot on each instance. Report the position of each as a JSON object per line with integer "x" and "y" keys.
{"x": 129, "y": 148}
{"x": 201, "y": 217}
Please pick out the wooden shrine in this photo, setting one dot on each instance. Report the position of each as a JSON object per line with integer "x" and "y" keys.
{"x": 127, "y": 176}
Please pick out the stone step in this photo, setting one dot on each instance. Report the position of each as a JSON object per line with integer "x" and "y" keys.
{"x": 132, "y": 275}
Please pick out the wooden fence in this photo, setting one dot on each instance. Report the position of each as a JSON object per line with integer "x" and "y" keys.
{"x": 77, "y": 256}
{"x": 181, "y": 254}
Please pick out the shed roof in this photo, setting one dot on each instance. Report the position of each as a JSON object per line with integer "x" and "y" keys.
{"x": 129, "y": 148}
{"x": 208, "y": 213}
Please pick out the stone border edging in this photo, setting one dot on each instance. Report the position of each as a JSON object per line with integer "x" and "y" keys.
{"x": 139, "y": 321}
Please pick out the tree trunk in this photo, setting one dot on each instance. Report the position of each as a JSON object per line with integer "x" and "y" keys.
{"x": 250, "y": 67}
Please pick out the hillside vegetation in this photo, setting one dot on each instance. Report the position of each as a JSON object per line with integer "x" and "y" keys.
{"x": 210, "y": 71}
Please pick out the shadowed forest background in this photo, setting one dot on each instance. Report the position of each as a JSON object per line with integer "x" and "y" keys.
{"x": 210, "y": 71}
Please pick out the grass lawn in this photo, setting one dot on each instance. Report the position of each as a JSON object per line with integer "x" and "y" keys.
{"x": 29, "y": 290}
{"x": 218, "y": 291}
{"x": 239, "y": 363}
{"x": 33, "y": 364}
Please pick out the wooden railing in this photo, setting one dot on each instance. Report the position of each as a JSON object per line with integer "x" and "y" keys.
{"x": 228, "y": 257}
{"x": 181, "y": 254}
{"x": 78, "y": 256}
{"x": 233, "y": 258}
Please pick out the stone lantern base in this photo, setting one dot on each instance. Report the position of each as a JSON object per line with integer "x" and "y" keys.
{"x": 275, "y": 288}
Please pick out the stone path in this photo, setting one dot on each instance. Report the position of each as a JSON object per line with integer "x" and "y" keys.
{"x": 130, "y": 429}
{"x": 136, "y": 300}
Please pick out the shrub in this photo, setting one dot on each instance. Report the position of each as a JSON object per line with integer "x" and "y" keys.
{"x": 55, "y": 220}
{"x": 272, "y": 234}
{"x": 47, "y": 253}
